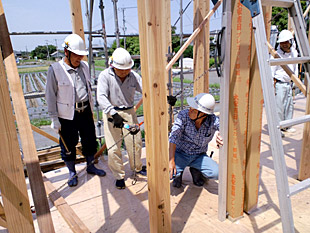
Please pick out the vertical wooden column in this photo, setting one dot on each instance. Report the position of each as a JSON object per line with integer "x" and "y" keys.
{"x": 76, "y": 17}
{"x": 201, "y": 47}
{"x": 153, "y": 49}
{"x": 12, "y": 180}
{"x": 77, "y": 20}
{"x": 256, "y": 101}
{"x": 238, "y": 107}
{"x": 24, "y": 128}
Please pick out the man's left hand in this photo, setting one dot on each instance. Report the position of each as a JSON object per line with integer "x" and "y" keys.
{"x": 219, "y": 139}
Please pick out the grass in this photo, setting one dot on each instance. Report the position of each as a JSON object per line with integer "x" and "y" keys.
{"x": 178, "y": 80}
{"x": 100, "y": 62}
{"x": 40, "y": 122}
{"x": 32, "y": 69}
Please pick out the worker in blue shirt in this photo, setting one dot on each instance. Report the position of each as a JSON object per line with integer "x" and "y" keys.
{"x": 191, "y": 133}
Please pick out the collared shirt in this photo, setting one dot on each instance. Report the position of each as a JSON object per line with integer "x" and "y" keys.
{"x": 277, "y": 71}
{"x": 187, "y": 138}
{"x": 112, "y": 92}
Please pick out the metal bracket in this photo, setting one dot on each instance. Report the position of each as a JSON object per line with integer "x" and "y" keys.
{"x": 252, "y": 5}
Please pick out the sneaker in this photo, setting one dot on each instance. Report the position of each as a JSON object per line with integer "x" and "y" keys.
{"x": 120, "y": 184}
{"x": 177, "y": 181}
{"x": 291, "y": 130}
{"x": 143, "y": 171}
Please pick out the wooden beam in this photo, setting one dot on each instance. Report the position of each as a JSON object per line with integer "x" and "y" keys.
{"x": 76, "y": 18}
{"x": 153, "y": 47}
{"x": 304, "y": 164}
{"x": 13, "y": 187}
{"x": 193, "y": 36}
{"x": 255, "y": 114}
{"x": 201, "y": 48}
{"x": 238, "y": 107}
{"x": 24, "y": 128}
{"x": 74, "y": 222}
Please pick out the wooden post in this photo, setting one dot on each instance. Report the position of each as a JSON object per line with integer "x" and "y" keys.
{"x": 238, "y": 107}
{"x": 16, "y": 212}
{"x": 24, "y": 128}
{"x": 76, "y": 18}
{"x": 153, "y": 46}
{"x": 304, "y": 164}
{"x": 256, "y": 101}
{"x": 201, "y": 48}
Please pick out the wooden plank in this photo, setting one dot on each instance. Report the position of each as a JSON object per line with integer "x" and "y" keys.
{"x": 153, "y": 40}
{"x": 201, "y": 48}
{"x": 304, "y": 164}
{"x": 76, "y": 18}
{"x": 238, "y": 107}
{"x": 74, "y": 222}
{"x": 13, "y": 187}
{"x": 193, "y": 36}
{"x": 24, "y": 128}
{"x": 255, "y": 115}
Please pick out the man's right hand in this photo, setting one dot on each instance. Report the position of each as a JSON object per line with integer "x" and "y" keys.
{"x": 118, "y": 121}
{"x": 55, "y": 125}
{"x": 172, "y": 168}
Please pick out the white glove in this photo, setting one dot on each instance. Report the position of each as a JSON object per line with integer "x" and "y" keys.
{"x": 55, "y": 125}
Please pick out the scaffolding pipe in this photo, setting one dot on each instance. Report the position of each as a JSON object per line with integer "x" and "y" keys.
{"x": 104, "y": 34}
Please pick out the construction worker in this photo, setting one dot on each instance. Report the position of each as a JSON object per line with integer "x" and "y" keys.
{"x": 191, "y": 133}
{"x": 69, "y": 100}
{"x": 283, "y": 84}
{"x": 115, "y": 94}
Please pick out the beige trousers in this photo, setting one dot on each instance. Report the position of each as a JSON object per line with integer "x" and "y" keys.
{"x": 113, "y": 135}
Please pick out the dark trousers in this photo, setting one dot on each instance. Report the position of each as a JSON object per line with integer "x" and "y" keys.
{"x": 81, "y": 126}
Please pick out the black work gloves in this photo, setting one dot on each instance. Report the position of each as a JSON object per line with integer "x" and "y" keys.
{"x": 118, "y": 121}
{"x": 171, "y": 99}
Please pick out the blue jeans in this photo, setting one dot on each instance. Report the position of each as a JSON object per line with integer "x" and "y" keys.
{"x": 207, "y": 166}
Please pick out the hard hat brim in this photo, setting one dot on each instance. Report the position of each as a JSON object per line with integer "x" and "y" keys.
{"x": 123, "y": 67}
{"x": 192, "y": 103}
{"x": 78, "y": 52}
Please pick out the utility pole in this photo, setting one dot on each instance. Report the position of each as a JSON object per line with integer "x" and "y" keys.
{"x": 57, "y": 55}
{"x": 181, "y": 58}
{"x": 104, "y": 34}
{"x": 116, "y": 23}
{"x": 124, "y": 27}
{"x": 48, "y": 54}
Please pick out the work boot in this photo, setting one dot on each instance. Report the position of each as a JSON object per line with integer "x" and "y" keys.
{"x": 72, "y": 172}
{"x": 177, "y": 181}
{"x": 120, "y": 184}
{"x": 198, "y": 178}
{"x": 143, "y": 171}
{"x": 91, "y": 169}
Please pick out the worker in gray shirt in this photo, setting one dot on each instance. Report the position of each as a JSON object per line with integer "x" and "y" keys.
{"x": 69, "y": 99}
{"x": 115, "y": 94}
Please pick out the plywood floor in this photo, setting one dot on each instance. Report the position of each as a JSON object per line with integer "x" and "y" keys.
{"x": 103, "y": 208}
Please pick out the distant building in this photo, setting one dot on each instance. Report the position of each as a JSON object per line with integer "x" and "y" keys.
{"x": 57, "y": 55}
{"x": 188, "y": 63}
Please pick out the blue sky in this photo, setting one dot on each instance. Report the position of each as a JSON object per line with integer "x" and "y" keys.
{"x": 54, "y": 15}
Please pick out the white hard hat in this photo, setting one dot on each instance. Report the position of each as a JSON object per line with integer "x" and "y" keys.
{"x": 121, "y": 59}
{"x": 203, "y": 102}
{"x": 285, "y": 35}
{"x": 75, "y": 44}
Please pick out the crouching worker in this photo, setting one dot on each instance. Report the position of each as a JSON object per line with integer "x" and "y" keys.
{"x": 191, "y": 133}
{"x": 69, "y": 100}
{"x": 116, "y": 89}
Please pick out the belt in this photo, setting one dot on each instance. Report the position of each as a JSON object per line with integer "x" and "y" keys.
{"x": 278, "y": 81}
{"x": 80, "y": 107}
{"x": 125, "y": 108}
